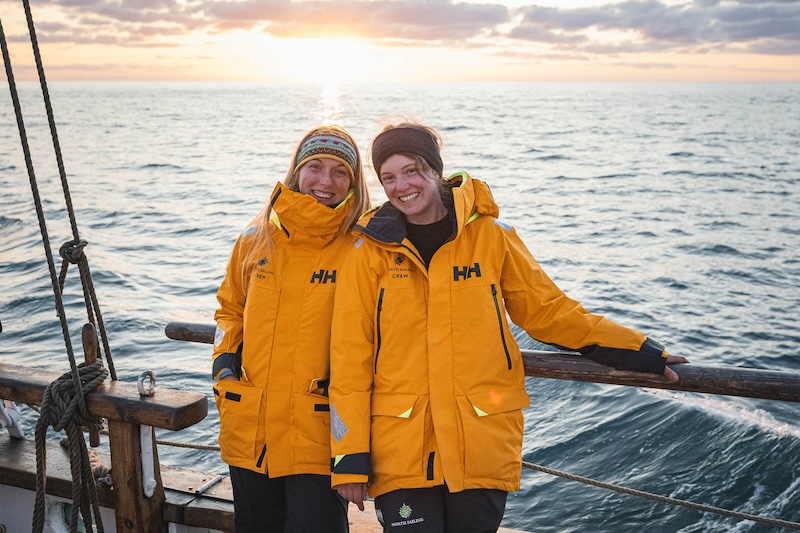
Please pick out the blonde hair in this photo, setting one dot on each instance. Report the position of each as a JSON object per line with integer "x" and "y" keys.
{"x": 262, "y": 240}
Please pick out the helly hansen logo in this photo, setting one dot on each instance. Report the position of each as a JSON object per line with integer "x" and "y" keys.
{"x": 323, "y": 276}
{"x": 466, "y": 272}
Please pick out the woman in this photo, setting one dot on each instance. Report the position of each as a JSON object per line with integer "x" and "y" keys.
{"x": 271, "y": 348}
{"x": 427, "y": 381}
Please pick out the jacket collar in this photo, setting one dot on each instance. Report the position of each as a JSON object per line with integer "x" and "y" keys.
{"x": 301, "y": 217}
{"x": 467, "y": 198}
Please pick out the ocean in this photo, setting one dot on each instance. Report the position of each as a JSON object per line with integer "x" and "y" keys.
{"x": 673, "y": 209}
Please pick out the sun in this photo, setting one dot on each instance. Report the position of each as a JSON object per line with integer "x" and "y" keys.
{"x": 328, "y": 61}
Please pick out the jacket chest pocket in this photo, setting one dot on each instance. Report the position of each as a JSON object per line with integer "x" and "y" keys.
{"x": 483, "y": 327}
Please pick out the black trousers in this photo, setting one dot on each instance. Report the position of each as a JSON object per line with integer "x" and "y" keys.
{"x": 303, "y": 503}
{"x": 437, "y": 510}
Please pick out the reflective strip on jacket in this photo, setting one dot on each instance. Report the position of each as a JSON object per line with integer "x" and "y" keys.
{"x": 275, "y": 418}
{"x": 427, "y": 380}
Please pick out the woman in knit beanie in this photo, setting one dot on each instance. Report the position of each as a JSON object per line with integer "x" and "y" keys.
{"x": 271, "y": 348}
{"x": 427, "y": 381}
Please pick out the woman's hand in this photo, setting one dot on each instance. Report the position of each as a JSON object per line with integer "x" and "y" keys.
{"x": 353, "y": 492}
{"x": 673, "y": 359}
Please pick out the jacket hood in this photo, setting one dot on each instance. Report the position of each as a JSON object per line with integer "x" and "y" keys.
{"x": 300, "y": 214}
{"x": 471, "y": 196}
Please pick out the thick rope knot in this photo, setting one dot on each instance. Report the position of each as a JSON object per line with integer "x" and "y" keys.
{"x": 72, "y": 251}
{"x": 63, "y": 407}
{"x": 60, "y": 405}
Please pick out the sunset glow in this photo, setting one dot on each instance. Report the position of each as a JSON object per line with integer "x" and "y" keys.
{"x": 410, "y": 40}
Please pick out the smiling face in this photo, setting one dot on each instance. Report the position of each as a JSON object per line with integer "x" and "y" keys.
{"x": 325, "y": 179}
{"x": 413, "y": 193}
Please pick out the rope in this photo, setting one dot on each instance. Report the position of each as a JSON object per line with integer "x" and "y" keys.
{"x": 83, "y": 483}
{"x": 208, "y": 447}
{"x": 72, "y": 252}
{"x": 61, "y": 408}
{"x": 664, "y": 499}
{"x": 86, "y": 279}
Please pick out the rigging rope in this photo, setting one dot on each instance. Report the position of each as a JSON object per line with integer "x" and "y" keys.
{"x": 588, "y": 481}
{"x": 664, "y": 499}
{"x": 71, "y": 384}
{"x": 86, "y": 280}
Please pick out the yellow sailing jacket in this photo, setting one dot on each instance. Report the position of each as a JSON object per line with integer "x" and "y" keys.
{"x": 427, "y": 381}
{"x": 275, "y": 418}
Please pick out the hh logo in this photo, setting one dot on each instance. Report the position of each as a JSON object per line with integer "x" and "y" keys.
{"x": 323, "y": 276}
{"x": 467, "y": 272}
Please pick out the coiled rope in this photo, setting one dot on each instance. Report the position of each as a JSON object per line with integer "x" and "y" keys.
{"x": 62, "y": 409}
{"x": 663, "y": 499}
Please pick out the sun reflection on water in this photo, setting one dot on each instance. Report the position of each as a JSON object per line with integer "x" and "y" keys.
{"x": 330, "y": 102}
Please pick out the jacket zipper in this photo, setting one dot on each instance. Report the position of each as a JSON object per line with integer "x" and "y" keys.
{"x": 260, "y": 460}
{"x": 378, "y": 343}
{"x": 500, "y": 323}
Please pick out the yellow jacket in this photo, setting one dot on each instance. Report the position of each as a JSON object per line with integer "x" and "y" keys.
{"x": 275, "y": 418}
{"x": 427, "y": 381}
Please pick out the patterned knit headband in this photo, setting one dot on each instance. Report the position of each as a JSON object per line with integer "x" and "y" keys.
{"x": 406, "y": 140}
{"x": 328, "y": 144}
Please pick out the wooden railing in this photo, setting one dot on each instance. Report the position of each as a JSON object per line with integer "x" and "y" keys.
{"x": 726, "y": 380}
{"x": 126, "y": 411}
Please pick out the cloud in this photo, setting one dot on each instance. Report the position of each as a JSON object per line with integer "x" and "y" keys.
{"x": 753, "y": 25}
{"x": 381, "y": 19}
{"x": 412, "y": 20}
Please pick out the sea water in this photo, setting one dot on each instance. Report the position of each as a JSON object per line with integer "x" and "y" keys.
{"x": 669, "y": 208}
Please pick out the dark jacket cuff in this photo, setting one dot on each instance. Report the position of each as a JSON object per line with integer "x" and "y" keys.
{"x": 228, "y": 360}
{"x": 354, "y": 463}
{"x": 649, "y": 358}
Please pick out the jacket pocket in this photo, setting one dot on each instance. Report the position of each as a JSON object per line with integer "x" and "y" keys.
{"x": 311, "y": 417}
{"x": 242, "y": 430}
{"x": 378, "y": 338}
{"x": 398, "y": 434}
{"x": 500, "y": 324}
{"x": 493, "y": 425}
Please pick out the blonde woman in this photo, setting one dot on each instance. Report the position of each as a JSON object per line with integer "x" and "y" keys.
{"x": 271, "y": 349}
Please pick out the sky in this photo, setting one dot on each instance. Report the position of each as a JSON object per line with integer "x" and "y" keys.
{"x": 408, "y": 40}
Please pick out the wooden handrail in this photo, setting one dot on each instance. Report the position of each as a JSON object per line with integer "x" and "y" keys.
{"x": 726, "y": 380}
{"x": 115, "y": 400}
{"x": 127, "y": 413}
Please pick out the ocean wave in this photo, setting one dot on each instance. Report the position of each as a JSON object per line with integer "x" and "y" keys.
{"x": 709, "y": 249}
{"x": 737, "y": 414}
{"x": 160, "y": 166}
